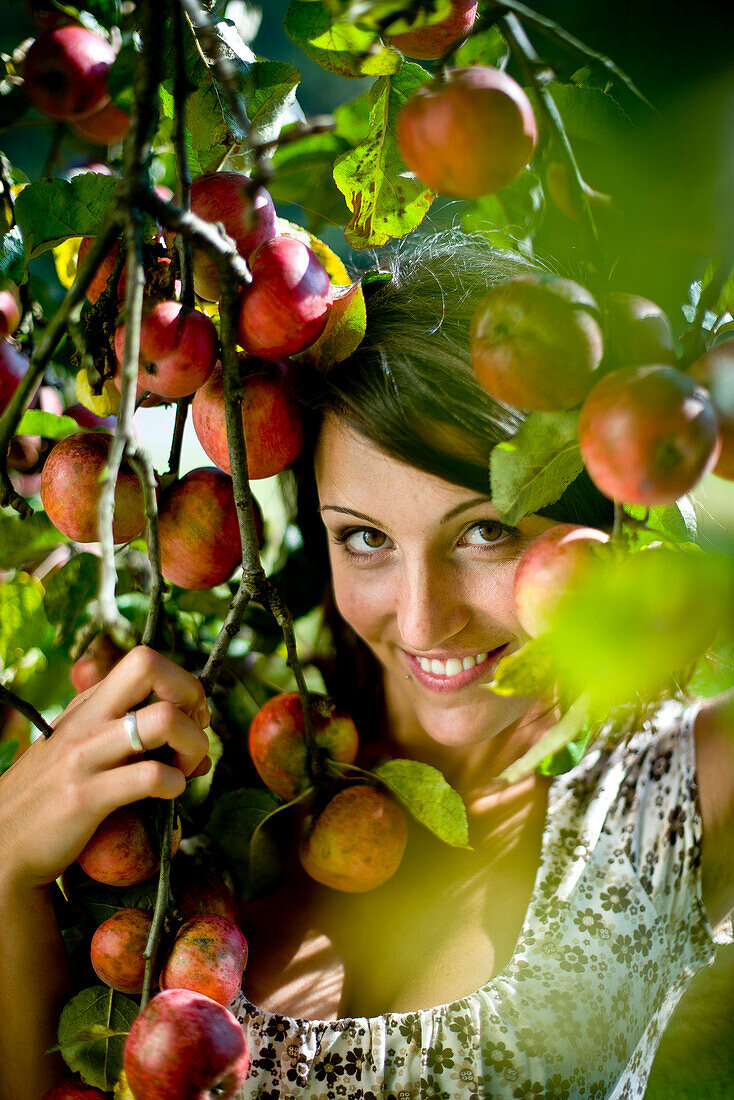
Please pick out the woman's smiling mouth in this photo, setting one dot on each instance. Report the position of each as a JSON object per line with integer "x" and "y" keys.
{"x": 454, "y": 672}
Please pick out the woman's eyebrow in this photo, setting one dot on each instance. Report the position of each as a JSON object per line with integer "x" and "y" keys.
{"x": 463, "y": 507}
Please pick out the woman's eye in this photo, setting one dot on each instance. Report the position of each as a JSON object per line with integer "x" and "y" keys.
{"x": 365, "y": 540}
{"x": 486, "y": 533}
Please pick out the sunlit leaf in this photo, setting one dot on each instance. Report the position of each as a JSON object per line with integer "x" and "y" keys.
{"x": 423, "y": 791}
{"x": 333, "y": 42}
{"x": 92, "y": 1032}
{"x": 385, "y": 200}
{"x": 533, "y": 468}
{"x": 529, "y": 671}
{"x": 51, "y": 210}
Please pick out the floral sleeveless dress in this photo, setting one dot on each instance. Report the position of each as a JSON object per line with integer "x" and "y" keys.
{"x": 614, "y": 931}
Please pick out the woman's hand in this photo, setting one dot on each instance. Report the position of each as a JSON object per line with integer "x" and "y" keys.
{"x": 54, "y": 797}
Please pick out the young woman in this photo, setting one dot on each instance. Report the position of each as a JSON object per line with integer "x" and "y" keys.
{"x": 543, "y": 962}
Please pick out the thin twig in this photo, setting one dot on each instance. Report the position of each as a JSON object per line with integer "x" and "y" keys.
{"x": 10, "y": 699}
{"x": 174, "y": 458}
{"x": 162, "y": 899}
{"x": 143, "y": 467}
{"x": 181, "y": 90}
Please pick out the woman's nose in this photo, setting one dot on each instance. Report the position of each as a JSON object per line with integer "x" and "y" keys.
{"x": 430, "y": 609}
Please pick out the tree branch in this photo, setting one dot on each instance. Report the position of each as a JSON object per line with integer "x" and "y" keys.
{"x": 10, "y": 699}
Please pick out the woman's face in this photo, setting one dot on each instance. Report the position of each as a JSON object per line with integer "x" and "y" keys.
{"x": 423, "y": 572}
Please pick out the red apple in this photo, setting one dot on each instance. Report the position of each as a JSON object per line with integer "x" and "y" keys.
{"x": 65, "y": 74}
{"x": 74, "y": 1089}
{"x": 199, "y": 890}
{"x": 199, "y": 530}
{"x": 715, "y": 371}
{"x": 9, "y": 312}
{"x": 468, "y": 134}
{"x": 536, "y": 342}
{"x": 224, "y": 197}
{"x": 117, "y": 949}
{"x": 105, "y": 127}
{"x": 209, "y": 955}
{"x": 278, "y": 747}
{"x": 638, "y": 332}
{"x": 121, "y": 851}
{"x": 551, "y": 565}
{"x": 285, "y": 308}
{"x": 185, "y": 1046}
{"x": 13, "y": 366}
{"x": 99, "y": 658}
{"x": 429, "y": 43}
{"x": 357, "y": 841}
{"x": 270, "y": 417}
{"x": 70, "y": 489}
{"x": 648, "y": 434}
{"x": 178, "y": 349}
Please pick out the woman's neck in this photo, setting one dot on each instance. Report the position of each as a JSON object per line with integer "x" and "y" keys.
{"x": 470, "y": 769}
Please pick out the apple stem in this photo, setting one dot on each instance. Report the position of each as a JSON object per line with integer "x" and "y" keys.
{"x": 302, "y": 797}
{"x": 174, "y": 458}
{"x": 162, "y": 900}
{"x": 181, "y": 89}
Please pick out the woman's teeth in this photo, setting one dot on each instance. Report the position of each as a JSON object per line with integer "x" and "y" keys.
{"x": 452, "y": 667}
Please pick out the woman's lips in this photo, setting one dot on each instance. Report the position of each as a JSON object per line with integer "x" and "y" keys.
{"x": 461, "y": 679}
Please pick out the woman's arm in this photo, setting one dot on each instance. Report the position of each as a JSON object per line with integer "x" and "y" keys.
{"x": 51, "y": 801}
{"x": 715, "y": 768}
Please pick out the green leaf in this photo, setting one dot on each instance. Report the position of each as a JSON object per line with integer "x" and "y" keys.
{"x": 198, "y": 789}
{"x": 12, "y": 255}
{"x": 270, "y": 92}
{"x": 557, "y": 763}
{"x": 51, "y": 210}
{"x": 386, "y": 201}
{"x": 515, "y": 211}
{"x": 553, "y": 741}
{"x": 49, "y": 425}
{"x": 353, "y": 119}
{"x": 92, "y": 1032}
{"x": 424, "y": 791}
{"x": 23, "y": 623}
{"x": 528, "y": 671}
{"x": 374, "y": 13}
{"x": 591, "y": 115}
{"x": 236, "y": 816}
{"x": 97, "y": 902}
{"x": 68, "y": 591}
{"x": 23, "y": 541}
{"x": 120, "y": 75}
{"x": 8, "y": 749}
{"x": 330, "y": 40}
{"x": 486, "y": 48}
{"x": 674, "y": 522}
{"x": 533, "y": 469}
{"x": 304, "y": 175}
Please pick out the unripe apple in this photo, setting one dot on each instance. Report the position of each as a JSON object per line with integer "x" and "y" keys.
{"x": 199, "y": 530}
{"x": 224, "y": 197}
{"x": 105, "y": 127}
{"x": 70, "y": 489}
{"x": 121, "y": 852}
{"x": 99, "y": 658}
{"x": 9, "y": 312}
{"x": 185, "y": 1046}
{"x": 357, "y": 841}
{"x": 270, "y": 418}
{"x": 648, "y": 434}
{"x": 551, "y": 565}
{"x": 117, "y": 947}
{"x": 714, "y": 370}
{"x": 278, "y": 747}
{"x": 536, "y": 342}
{"x": 178, "y": 349}
{"x": 285, "y": 308}
{"x": 209, "y": 955}
{"x": 13, "y": 366}
{"x": 74, "y": 1089}
{"x": 429, "y": 43}
{"x": 65, "y": 73}
{"x": 468, "y": 134}
{"x": 638, "y": 332}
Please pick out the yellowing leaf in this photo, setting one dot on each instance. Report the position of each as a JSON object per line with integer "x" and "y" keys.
{"x": 335, "y": 269}
{"x": 345, "y": 329}
{"x": 122, "y": 1089}
{"x": 65, "y": 255}
{"x": 107, "y": 403}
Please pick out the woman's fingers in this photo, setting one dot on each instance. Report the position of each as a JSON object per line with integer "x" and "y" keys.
{"x": 140, "y": 673}
{"x": 158, "y": 724}
{"x": 133, "y": 782}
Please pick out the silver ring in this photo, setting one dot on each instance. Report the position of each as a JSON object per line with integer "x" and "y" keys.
{"x": 131, "y": 725}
